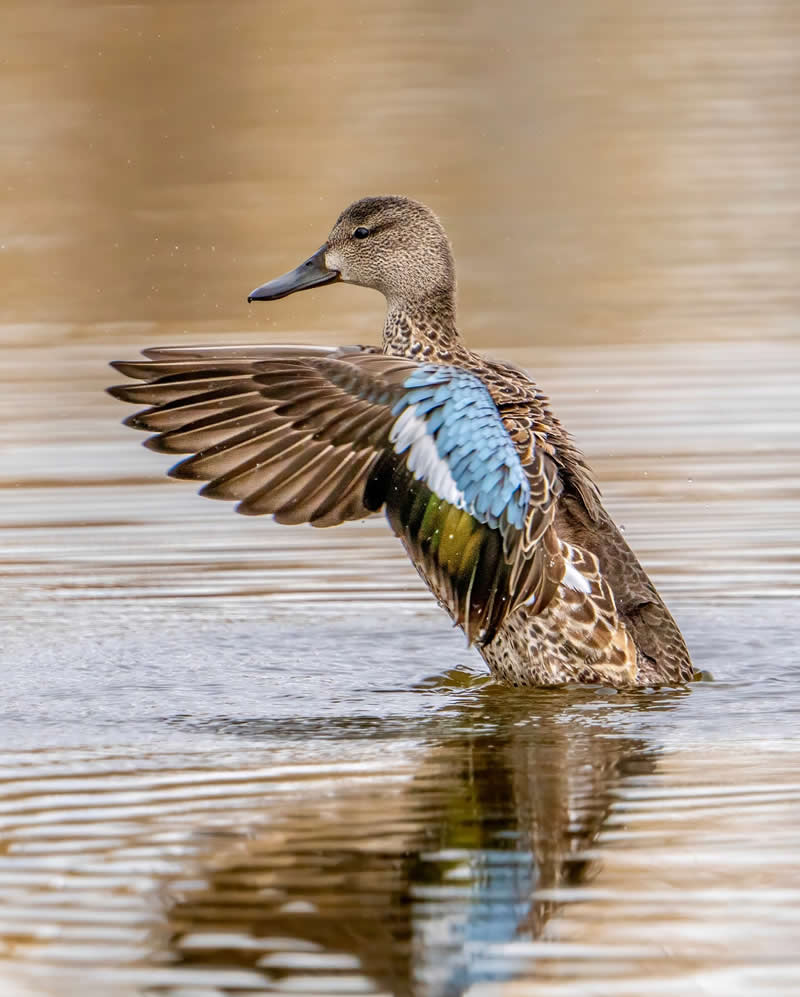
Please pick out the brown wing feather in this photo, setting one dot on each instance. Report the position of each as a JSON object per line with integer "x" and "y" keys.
{"x": 268, "y": 427}
{"x": 662, "y": 649}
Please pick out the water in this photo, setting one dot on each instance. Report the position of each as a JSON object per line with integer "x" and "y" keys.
{"x": 237, "y": 758}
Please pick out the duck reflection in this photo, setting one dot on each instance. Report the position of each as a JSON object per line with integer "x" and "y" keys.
{"x": 414, "y": 889}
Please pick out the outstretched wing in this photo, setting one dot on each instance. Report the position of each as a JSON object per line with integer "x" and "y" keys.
{"x": 323, "y": 436}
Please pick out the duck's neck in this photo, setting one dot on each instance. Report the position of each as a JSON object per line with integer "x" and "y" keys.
{"x": 423, "y": 329}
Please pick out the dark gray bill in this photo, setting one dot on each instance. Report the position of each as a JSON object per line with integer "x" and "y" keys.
{"x": 312, "y": 273}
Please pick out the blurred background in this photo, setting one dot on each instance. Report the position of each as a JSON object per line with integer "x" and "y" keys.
{"x": 237, "y": 758}
{"x": 606, "y": 173}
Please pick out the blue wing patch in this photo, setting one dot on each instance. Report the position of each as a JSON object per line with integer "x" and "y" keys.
{"x": 457, "y": 444}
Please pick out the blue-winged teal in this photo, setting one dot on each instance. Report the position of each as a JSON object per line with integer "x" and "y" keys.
{"x": 493, "y": 502}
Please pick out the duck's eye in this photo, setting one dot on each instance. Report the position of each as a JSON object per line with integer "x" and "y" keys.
{"x": 361, "y": 232}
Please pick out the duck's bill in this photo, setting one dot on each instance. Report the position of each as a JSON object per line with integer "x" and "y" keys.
{"x": 312, "y": 273}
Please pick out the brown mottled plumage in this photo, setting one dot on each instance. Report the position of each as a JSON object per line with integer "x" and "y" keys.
{"x": 309, "y": 434}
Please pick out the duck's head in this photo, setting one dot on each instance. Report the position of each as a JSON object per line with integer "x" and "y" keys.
{"x": 392, "y": 244}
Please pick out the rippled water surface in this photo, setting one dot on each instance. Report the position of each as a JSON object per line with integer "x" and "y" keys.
{"x": 237, "y": 758}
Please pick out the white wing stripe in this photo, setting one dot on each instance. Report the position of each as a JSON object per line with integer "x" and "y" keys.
{"x": 574, "y": 580}
{"x": 410, "y": 433}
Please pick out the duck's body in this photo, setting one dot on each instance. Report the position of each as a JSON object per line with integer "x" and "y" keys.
{"x": 492, "y": 501}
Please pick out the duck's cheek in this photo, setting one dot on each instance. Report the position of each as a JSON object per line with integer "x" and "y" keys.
{"x": 335, "y": 261}
{"x": 351, "y": 271}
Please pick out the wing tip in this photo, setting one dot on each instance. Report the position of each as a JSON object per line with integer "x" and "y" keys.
{"x": 183, "y": 470}
{"x": 120, "y": 392}
{"x": 136, "y": 421}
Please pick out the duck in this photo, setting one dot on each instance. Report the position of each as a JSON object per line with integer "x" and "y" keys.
{"x": 494, "y": 503}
